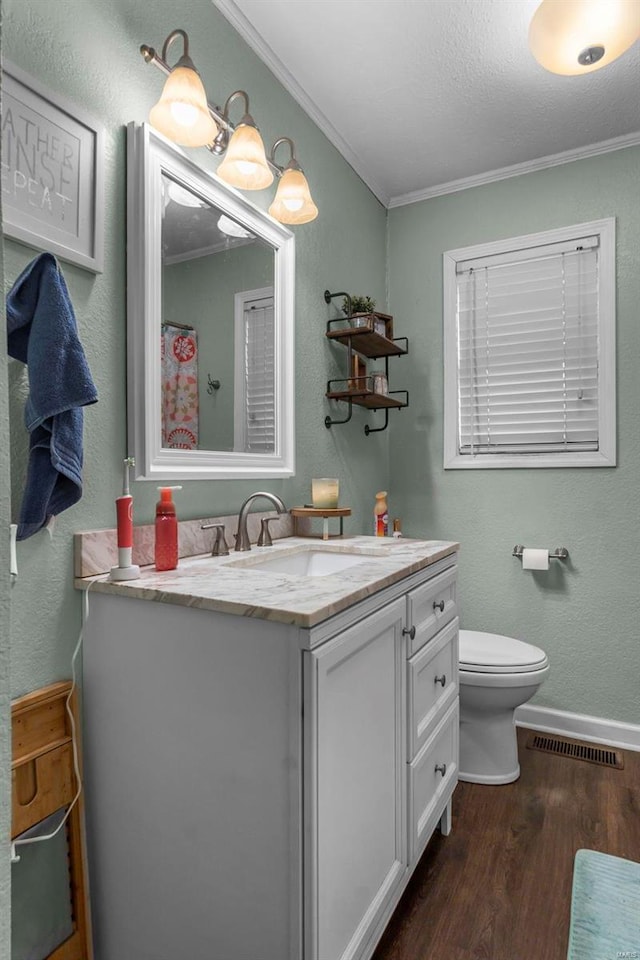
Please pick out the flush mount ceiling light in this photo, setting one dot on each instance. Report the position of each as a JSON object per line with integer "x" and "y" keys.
{"x": 182, "y": 113}
{"x": 231, "y": 228}
{"x": 184, "y": 197}
{"x": 292, "y": 202}
{"x": 245, "y": 164}
{"x": 571, "y": 37}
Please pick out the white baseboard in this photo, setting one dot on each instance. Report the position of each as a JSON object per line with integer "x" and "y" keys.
{"x": 594, "y": 729}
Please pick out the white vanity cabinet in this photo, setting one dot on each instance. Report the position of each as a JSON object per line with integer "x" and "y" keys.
{"x": 355, "y": 793}
{"x": 259, "y": 790}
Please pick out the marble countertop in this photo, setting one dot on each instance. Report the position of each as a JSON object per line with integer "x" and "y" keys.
{"x": 236, "y": 585}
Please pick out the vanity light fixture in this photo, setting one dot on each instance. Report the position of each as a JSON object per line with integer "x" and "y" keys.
{"x": 292, "y": 202}
{"x": 182, "y": 113}
{"x": 245, "y": 164}
{"x": 571, "y": 37}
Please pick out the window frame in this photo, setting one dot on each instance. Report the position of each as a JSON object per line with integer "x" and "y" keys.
{"x": 605, "y": 456}
{"x": 240, "y": 423}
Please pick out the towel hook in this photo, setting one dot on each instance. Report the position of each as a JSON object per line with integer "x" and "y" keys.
{"x": 212, "y": 385}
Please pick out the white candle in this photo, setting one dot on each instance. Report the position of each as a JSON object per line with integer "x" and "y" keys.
{"x": 324, "y": 493}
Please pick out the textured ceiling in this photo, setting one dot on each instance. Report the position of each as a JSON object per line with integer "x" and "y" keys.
{"x": 419, "y": 93}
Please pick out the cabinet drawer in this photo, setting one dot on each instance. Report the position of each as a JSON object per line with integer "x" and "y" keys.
{"x": 432, "y": 683}
{"x": 430, "y": 607}
{"x": 432, "y": 778}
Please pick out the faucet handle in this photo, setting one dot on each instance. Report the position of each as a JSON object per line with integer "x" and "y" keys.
{"x": 220, "y": 547}
{"x": 264, "y": 540}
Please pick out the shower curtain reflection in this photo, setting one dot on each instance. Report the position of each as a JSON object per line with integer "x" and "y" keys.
{"x": 179, "y": 351}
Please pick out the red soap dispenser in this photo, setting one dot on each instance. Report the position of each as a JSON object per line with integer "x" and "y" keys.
{"x": 166, "y": 551}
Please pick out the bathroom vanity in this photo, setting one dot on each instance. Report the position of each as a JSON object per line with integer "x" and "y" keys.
{"x": 267, "y": 753}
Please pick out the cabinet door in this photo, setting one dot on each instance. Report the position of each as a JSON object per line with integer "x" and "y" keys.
{"x": 355, "y": 797}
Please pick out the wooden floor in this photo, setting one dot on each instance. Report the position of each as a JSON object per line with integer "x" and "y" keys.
{"x": 499, "y": 886}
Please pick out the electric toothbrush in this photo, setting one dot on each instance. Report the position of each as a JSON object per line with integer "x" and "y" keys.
{"x": 126, "y": 570}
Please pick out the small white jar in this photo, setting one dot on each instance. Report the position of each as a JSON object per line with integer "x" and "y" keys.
{"x": 379, "y": 382}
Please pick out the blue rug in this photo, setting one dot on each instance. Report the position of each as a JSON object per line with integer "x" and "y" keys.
{"x": 605, "y": 908}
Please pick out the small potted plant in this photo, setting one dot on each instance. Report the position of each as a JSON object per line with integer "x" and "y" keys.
{"x": 361, "y": 308}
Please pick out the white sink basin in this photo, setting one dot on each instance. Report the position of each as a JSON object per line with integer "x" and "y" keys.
{"x": 304, "y": 563}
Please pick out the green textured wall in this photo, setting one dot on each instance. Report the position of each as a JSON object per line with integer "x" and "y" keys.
{"x": 87, "y": 51}
{"x": 5, "y": 740}
{"x": 585, "y": 613}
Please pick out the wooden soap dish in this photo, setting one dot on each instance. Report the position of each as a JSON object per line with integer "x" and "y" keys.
{"x": 326, "y": 513}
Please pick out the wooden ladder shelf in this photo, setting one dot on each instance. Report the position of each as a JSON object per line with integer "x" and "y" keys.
{"x": 42, "y": 782}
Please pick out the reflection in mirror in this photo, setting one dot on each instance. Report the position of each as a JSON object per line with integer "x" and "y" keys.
{"x": 210, "y": 323}
{"x": 226, "y": 340}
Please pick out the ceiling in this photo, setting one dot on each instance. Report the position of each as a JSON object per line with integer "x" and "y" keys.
{"x": 427, "y": 96}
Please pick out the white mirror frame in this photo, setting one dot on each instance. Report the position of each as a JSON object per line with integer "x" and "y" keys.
{"x": 149, "y": 155}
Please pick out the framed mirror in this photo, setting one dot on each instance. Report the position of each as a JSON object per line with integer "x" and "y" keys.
{"x": 210, "y": 323}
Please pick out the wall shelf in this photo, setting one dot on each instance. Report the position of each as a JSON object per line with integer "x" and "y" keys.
{"x": 366, "y": 398}
{"x": 367, "y": 335}
{"x": 366, "y": 341}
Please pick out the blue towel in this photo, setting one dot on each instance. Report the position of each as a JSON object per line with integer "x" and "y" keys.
{"x": 42, "y": 332}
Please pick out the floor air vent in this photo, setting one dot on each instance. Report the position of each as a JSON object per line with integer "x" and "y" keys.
{"x": 576, "y": 750}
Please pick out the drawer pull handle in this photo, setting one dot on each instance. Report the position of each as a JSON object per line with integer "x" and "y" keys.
{"x": 441, "y": 768}
{"x": 442, "y": 679}
{"x": 438, "y": 605}
{"x": 409, "y": 632}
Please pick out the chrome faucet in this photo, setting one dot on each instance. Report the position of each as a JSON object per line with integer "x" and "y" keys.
{"x": 242, "y": 537}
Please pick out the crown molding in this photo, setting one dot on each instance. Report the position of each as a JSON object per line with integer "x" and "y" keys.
{"x": 231, "y": 12}
{"x": 517, "y": 169}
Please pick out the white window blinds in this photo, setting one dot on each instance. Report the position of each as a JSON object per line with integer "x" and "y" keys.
{"x": 259, "y": 357}
{"x": 527, "y": 337}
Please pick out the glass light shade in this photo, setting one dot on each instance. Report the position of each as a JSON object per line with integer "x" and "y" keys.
{"x": 181, "y": 113}
{"x": 561, "y": 29}
{"x": 184, "y": 197}
{"x": 292, "y": 202}
{"x": 245, "y": 164}
{"x": 231, "y": 228}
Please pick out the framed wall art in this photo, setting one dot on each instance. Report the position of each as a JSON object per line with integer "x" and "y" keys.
{"x": 52, "y": 172}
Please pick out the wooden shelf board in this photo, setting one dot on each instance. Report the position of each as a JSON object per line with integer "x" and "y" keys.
{"x": 373, "y": 401}
{"x": 367, "y": 342}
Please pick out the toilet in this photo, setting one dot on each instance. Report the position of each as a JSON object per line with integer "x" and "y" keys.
{"x": 497, "y": 674}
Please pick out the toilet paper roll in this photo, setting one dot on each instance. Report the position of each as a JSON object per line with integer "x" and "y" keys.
{"x": 535, "y": 559}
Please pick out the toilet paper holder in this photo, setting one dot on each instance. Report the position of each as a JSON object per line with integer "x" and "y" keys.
{"x": 560, "y": 553}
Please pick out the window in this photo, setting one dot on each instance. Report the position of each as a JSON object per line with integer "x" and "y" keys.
{"x": 254, "y": 402}
{"x": 529, "y": 350}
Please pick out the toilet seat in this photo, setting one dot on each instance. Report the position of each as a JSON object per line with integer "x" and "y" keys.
{"x": 497, "y": 675}
{"x": 490, "y": 653}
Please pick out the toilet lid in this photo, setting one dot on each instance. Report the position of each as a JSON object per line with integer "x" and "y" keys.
{"x": 491, "y": 653}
